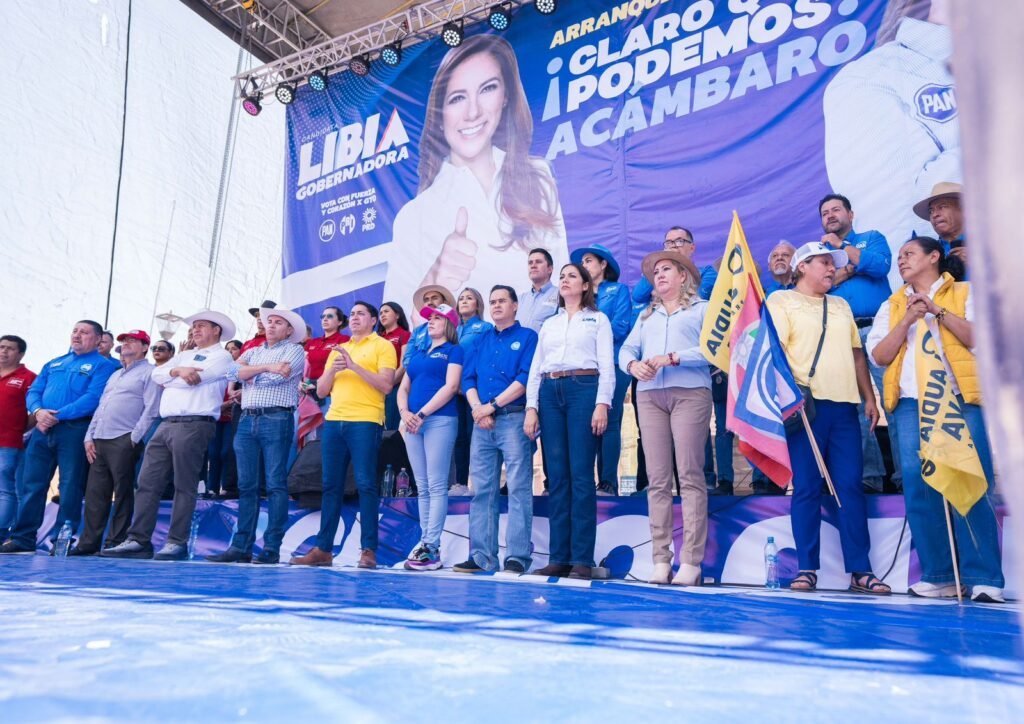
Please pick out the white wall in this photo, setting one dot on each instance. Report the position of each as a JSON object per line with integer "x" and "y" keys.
{"x": 60, "y": 127}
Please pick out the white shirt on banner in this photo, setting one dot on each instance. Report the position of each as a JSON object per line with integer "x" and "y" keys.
{"x": 892, "y": 130}
{"x": 582, "y": 342}
{"x": 881, "y": 328}
{"x": 422, "y": 225}
{"x": 180, "y": 398}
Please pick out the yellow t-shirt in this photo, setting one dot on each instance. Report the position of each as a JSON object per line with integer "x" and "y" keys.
{"x": 352, "y": 398}
{"x": 797, "y": 319}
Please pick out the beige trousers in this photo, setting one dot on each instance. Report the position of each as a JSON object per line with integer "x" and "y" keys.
{"x": 679, "y": 419}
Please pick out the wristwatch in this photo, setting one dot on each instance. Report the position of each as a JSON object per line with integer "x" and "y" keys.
{"x": 421, "y": 415}
{"x": 494, "y": 403}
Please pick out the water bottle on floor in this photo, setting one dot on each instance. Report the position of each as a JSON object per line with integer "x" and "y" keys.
{"x": 402, "y": 487}
{"x": 387, "y": 483}
{"x": 63, "y": 540}
{"x": 771, "y": 565}
{"x": 193, "y": 534}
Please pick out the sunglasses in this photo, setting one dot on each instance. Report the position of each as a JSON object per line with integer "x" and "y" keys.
{"x": 328, "y": 316}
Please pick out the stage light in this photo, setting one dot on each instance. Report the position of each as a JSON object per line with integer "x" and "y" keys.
{"x": 452, "y": 34}
{"x": 251, "y": 104}
{"x": 360, "y": 65}
{"x": 500, "y": 16}
{"x": 391, "y": 54}
{"x": 545, "y": 7}
{"x": 318, "y": 80}
{"x": 285, "y": 93}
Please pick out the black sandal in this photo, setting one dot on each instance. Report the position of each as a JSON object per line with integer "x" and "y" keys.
{"x": 868, "y": 583}
{"x": 805, "y": 582}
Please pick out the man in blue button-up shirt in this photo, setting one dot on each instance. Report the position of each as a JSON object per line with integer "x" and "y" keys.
{"x": 494, "y": 380}
{"x": 864, "y": 283}
{"x": 62, "y": 400}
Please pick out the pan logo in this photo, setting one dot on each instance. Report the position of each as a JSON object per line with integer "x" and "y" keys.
{"x": 327, "y": 230}
{"x": 936, "y": 102}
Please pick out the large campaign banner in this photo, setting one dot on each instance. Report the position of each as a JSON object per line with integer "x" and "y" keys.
{"x": 610, "y": 122}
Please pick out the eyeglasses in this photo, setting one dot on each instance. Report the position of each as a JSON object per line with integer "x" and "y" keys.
{"x": 675, "y": 243}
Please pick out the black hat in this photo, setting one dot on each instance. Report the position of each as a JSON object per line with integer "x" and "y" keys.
{"x": 267, "y": 304}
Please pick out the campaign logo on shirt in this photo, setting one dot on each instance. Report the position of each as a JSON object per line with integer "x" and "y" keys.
{"x": 199, "y": 358}
{"x": 936, "y": 102}
{"x": 515, "y": 346}
{"x": 861, "y": 245}
{"x": 85, "y": 369}
{"x": 16, "y": 382}
{"x": 588, "y": 319}
{"x": 439, "y": 355}
{"x": 55, "y": 365}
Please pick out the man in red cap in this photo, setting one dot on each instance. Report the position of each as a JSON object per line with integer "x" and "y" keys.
{"x": 130, "y": 403}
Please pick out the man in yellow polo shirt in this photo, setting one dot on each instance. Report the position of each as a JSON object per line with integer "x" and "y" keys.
{"x": 357, "y": 377}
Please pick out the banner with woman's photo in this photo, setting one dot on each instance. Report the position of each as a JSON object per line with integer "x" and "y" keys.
{"x": 609, "y": 122}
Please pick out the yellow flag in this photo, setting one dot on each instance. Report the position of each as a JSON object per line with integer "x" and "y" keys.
{"x": 735, "y": 273}
{"x": 949, "y": 461}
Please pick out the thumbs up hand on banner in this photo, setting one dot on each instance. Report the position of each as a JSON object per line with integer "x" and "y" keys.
{"x": 457, "y": 258}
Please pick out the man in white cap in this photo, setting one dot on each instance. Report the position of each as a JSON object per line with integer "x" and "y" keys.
{"x": 270, "y": 375}
{"x": 194, "y": 382}
{"x": 943, "y": 211}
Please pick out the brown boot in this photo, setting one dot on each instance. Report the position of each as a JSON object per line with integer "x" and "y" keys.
{"x": 553, "y": 569}
{"x": 368, "y": 558}
{"x": 315, "y": 557}
{"x": 584, "y": 572}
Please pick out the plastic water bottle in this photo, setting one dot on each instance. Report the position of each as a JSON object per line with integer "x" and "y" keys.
{"x": 387, "y": 483}
{"x": 771, "y": 565}
{"x": 63, "y": 540}
{"x": 402, "y": 488}
{"x": 192, "y": 535}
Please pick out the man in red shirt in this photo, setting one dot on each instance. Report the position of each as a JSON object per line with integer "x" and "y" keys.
{"x": 15, "y": 379}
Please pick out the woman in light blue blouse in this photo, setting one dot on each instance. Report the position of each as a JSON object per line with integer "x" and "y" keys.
{"x": 614, "y": 301}
{"x": 674, "y": 403}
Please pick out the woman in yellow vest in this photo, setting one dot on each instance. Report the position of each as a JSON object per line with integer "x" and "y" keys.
{"x": 933, "y": 301}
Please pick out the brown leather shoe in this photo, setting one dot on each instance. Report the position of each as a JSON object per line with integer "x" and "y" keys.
{"x": 315, "y": 557}
{"x": 368, "y": 558}
{"x": 582, "y": 572}
{"x": 553, "y": 569}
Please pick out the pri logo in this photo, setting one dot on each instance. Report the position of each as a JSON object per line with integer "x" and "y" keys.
{"x": 936, "y": 102}
{"x": 327, "y": 230}
{"x": 347, "y": 224}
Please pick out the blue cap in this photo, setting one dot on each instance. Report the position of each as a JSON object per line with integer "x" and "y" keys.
{"x": 597, "y": 250}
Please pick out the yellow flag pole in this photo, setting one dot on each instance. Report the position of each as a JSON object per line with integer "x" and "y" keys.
{"x": 952, "y": 551}
{"x": 818, "y": 458}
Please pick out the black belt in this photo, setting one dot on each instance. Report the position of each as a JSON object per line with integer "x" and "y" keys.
{"x": 510, "y": 409}
{"x": 190, "y": 418}
{"x": 256, "y": 411}
{"x": 864, "y": 322}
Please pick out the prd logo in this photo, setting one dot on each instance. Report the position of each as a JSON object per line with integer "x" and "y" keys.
{"x": 936, "y": 102}
{"x": 327, "y": 230}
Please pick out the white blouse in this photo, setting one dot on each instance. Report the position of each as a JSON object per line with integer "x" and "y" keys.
{"x": 580, "y": 342}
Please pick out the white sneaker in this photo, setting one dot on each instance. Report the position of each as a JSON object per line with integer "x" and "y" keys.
{"x": 987, "y": 594}
{"x": 458, "y": 490}
{"x": 687, "y": 576}
{"x": 662, "y": 574}
{"x": 923, "y": 589}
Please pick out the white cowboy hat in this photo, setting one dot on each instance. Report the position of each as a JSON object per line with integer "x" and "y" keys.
{"x": 227, "y": 327}
{"x": 293, "y": 318}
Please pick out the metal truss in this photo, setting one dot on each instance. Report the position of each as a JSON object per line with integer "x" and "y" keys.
{"x": 278, "y": 31}
{"x": 411, "y": 26}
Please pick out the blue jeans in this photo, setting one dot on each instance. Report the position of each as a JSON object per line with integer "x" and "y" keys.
{"x": 269, "y": 436}
{"x": 507, "y": 441}
{"x": 392, "y": 418}
{"x": 569, "y": 446}
{"x": 977, "y": 535}
{"x": 430, "y": 454}
{"x": 610, "y": 445}
{"x": 463, "y": 440}
{"x": 63, "y": 444}
{"x": 10, "y": 458}
{"x": 341, "y": 443}
{"x": 837, "y": 432}
{"x": 722, "y": 450}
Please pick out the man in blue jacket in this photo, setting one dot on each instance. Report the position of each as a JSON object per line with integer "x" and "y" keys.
{"x": 62, "y": 400}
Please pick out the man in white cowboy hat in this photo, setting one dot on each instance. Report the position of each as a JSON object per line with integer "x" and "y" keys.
{"x": 431, "y": 295}
{"x": 943, "y": 210}
{"x": 194, "y": 382}
{"x": 270, "y": 375}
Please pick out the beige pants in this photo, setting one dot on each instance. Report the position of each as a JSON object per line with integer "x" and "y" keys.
{"x": 679, "y": 419}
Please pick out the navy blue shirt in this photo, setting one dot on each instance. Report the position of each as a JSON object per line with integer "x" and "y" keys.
{"x": 71, "y": 385}
{"x": 428, "y": 372}
{"x": 500, "y": 358}
{"x": 869, "y": 286}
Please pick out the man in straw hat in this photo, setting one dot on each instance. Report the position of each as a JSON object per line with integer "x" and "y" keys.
{"x": 194, "y": 382}
{"x": 431, "y": 295}
{"x": 943, "y": 210}
{"x": 270, "y": 375}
